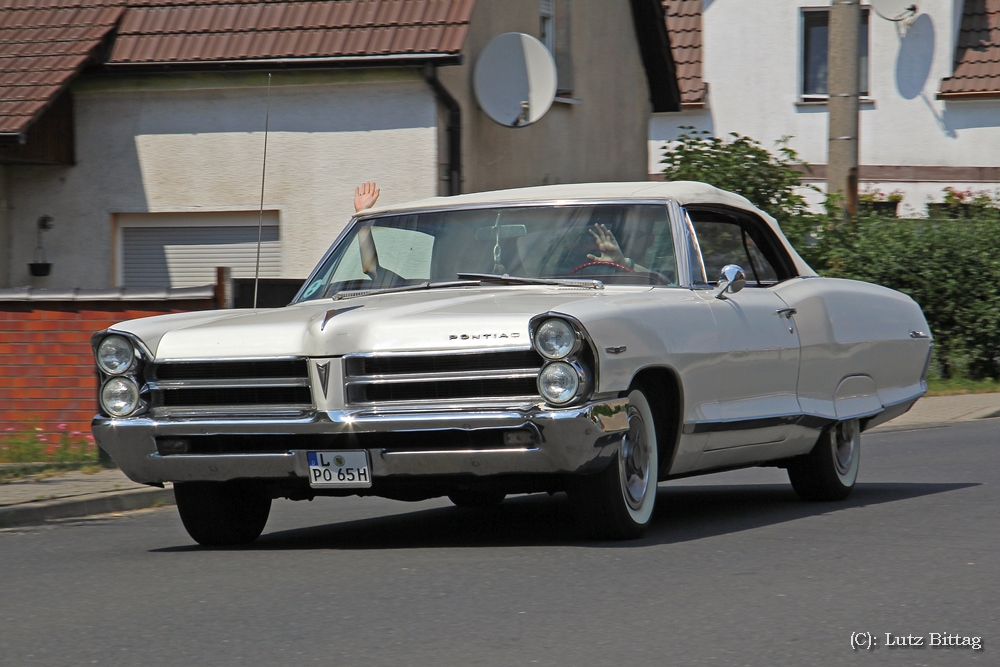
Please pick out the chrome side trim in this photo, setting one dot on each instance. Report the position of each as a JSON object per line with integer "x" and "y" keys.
{"x": 444, "y": 376}
{"x": 479, "y": 452}
{"x": 808, "y": 421}
{"x": 216, "y": 360}
{"x": 169, "y": 385}
{"x": 503, "y": 402}
{"x": 437, "y": 353}
{"x": 283, "y": 410}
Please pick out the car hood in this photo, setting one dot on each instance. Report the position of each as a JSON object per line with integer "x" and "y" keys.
{"x": 443, "y": 319}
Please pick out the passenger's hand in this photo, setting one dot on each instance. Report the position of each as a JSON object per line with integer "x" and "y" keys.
{"x": 607, "y": 245}
{"x": 365, "y": 196}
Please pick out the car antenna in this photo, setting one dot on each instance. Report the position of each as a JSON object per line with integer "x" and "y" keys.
{"x": 263, "y": 172}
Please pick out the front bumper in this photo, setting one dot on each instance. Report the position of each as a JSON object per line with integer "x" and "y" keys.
{"x": 573, "y": 440}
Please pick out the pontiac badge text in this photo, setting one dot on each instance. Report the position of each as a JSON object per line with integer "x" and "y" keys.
{"x": 485, "y": 336}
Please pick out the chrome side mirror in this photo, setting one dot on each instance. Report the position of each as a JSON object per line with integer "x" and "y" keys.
{"x": 731, "y": 280}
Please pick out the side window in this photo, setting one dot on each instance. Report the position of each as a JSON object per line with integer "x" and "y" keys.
{"x": 724, "y": 241}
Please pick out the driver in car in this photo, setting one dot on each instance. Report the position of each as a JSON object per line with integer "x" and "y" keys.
{"x": 641, "y": 239}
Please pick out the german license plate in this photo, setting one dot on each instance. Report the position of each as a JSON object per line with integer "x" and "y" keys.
{"x": 339, "y": 469}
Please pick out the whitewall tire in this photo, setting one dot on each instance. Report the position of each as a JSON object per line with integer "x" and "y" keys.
{"x": 830, "y": 470}
{"x": 618, "y": 502}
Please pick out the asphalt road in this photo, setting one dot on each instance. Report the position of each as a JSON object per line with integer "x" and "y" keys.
{"x": 735, "y": 571}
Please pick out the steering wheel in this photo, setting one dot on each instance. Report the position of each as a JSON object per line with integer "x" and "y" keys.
{"x": 600, "y": 262}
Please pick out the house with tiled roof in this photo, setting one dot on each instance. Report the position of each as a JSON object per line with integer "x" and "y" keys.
{"x": 135, "y": 128}
{"x": 930, "y": 104}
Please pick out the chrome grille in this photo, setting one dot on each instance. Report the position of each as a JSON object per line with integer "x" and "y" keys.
{"x": 230, "y": 386}
{"x": 488, "y": 375}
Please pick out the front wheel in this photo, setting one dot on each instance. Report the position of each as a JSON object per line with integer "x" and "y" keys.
{"x": 217, "y": 514}
{"x": 830, "y": 470}
{"x": 617, "y": 503}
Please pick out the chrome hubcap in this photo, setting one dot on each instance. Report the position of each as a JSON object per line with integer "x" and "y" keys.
{"x": 634, "y": 461}
{"x": 845, "y": 433}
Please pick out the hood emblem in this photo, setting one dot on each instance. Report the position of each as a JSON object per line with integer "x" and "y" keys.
{"x": 483, "y": 336}
{"x": 323, "y": 370}
{"x": 330, "y": 314}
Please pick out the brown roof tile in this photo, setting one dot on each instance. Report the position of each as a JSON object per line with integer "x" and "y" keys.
{"x": 372, "y": 27}
{"x": 977, "y": 54}
{"x": 44, "y": 44}
{"x": 684, "y": 27}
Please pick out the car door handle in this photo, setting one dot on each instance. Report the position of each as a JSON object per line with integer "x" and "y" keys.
{"x": 786, "y": 312}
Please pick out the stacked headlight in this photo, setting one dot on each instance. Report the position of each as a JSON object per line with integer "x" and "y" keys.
{"x": 559, "y": 382}
{"x": 556, "y": 339}
{"x": 564, "y": 378}
{"x": 120, "y": 396}
{"x": 115, "y": 355}
{"x": 118, "y": 363}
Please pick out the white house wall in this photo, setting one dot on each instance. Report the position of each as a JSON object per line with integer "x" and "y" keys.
{"x": 194, "y": 143}
{"x": 752, "y": 60}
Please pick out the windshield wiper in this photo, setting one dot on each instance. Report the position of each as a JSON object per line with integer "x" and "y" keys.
{"x": 518, "y": 280}
{"x": 349, "y": 294}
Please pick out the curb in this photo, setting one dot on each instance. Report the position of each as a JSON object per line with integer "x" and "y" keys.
{"x": 85, "y": 505}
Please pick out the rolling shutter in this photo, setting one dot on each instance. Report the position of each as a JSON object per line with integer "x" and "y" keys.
{"x": 186, "y": 255}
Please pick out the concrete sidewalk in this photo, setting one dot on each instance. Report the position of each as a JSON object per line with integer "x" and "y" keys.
{"x": 40, "y": 498}
{"x": 935, "y": 410}
{"x": 37, "y": 499}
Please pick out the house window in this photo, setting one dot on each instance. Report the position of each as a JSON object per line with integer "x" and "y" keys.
{"x": 815, "y": 47}
{"x": 554, "y": 32}
{"x": 546, "y": 25}
{"x": 184, "y": 249}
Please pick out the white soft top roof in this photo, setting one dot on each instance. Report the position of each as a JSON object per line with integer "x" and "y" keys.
{"x": 683, "y": 192}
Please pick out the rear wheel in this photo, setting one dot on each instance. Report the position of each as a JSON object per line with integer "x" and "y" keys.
{"x": 617, "y": 503}
{"x": 477, "y": 499}
{"x": 830, "y": 470}
{"x": 219, "y": 514}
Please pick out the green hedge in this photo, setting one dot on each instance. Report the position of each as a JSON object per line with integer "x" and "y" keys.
{"x": 951, "y": 267}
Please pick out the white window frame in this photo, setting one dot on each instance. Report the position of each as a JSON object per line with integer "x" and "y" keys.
{"x": 547, "y": 25}
{"x": 800, "y": 68}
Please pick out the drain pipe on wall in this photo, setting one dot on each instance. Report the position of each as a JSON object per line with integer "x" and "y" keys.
{"x": 454, "y": 129}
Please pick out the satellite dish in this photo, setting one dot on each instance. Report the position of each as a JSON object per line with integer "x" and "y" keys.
{"x": 515, "y": 79}
{"x": 894, "y": 10}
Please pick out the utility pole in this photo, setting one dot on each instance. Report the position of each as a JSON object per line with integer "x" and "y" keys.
{"x": 842, "y": 85}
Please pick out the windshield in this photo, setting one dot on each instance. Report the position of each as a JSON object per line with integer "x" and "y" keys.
{"x": 617, "y": 244}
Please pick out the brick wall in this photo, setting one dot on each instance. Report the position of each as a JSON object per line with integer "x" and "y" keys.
{"x": 47, "y": 376}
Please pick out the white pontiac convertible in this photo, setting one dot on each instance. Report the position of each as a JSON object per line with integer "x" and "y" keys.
{"x": 594, "y": 339}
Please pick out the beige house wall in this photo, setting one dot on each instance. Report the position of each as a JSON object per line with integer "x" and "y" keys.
{"x": 194, "y": 143}
{"x": 602, "y": 138}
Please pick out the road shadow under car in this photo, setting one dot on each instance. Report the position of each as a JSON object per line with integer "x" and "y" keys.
{"x": 683, "y": 514}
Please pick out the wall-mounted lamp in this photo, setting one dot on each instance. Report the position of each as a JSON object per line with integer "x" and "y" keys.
{"x": 41, "y": 266}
